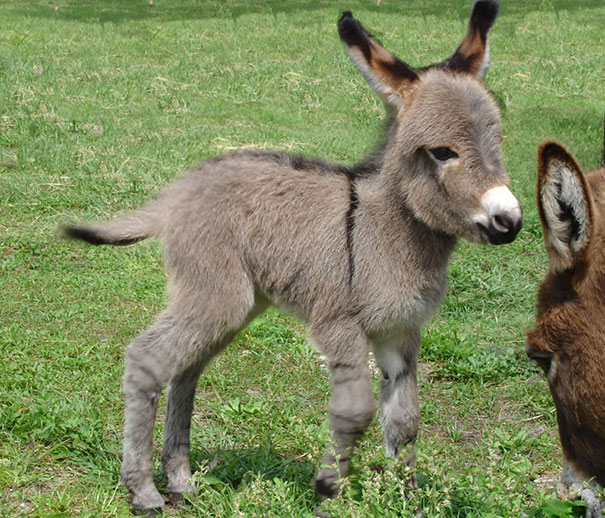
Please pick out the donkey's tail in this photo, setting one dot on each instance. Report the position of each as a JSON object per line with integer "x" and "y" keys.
{"x": 136, "y": 226}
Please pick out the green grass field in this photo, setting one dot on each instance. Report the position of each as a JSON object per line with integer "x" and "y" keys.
{"x": 103, "y": 103}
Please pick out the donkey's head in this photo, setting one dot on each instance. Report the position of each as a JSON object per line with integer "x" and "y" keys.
{"x": 443, "y": 151}
{"x": 569, "y": 338}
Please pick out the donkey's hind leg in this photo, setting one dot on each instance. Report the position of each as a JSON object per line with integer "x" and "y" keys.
{"x": 181, "y": 393}
{"x": 147, "y": 371}
{"x": 400, "y": 412}
{"x": 175, "y": 348}
{"x": 352, "y": 406}
{"x": 175, "y": 452}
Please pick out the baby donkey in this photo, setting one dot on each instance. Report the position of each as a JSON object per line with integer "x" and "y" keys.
{"x": 568, "y": 341}
{"x": 360, "y": 253}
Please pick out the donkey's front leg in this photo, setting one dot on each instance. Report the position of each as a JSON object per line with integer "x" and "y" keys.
{"x": 400, "y": 412}
{"x": 352, "y": 406}
{"x": 575, "y": 485}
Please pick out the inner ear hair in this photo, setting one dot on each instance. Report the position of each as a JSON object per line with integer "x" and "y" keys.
{"x": 564, "y": 205}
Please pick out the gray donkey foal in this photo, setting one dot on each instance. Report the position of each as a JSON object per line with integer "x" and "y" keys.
{"x": 360, "y": 253}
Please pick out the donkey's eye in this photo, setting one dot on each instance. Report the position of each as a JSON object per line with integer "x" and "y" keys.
{"x": 443, "y": 153}
{"x": 542, "y": 358}
{"x": 545, "y": 363}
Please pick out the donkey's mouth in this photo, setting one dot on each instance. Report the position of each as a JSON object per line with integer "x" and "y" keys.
{"x": 501, "y": 229}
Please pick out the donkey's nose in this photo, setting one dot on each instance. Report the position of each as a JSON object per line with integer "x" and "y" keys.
{"x": 502, "y": 217}
{"x": 503, "y": 228}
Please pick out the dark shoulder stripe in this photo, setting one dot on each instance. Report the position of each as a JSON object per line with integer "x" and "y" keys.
{"x": 350, "y": 223}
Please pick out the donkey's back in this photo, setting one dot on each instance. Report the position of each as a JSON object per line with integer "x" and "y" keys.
{"x": 278, "y": 220}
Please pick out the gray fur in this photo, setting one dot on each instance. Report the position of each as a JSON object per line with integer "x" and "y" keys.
{"x": 361, "y": 254}
{"x": 575, "y": 485}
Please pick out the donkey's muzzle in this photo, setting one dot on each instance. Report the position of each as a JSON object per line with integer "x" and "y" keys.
{"x": 501, "y": 216}
{"x": 502, "y": 228}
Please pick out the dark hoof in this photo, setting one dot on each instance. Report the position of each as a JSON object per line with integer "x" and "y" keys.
{"x": 174, "y": 498}
{"x": 320, "y": 514}
{"x": 325, "y": 488}
{"x": 146, "y": 511}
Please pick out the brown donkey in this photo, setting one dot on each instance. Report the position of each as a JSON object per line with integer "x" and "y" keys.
{"x": 360, "y": 253}
{"x": 569, "y": 339}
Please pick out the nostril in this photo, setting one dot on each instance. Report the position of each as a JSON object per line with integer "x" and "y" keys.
{"x": 500, "y": 217}
{"x": 502, "y": 228}
{"x": 502, "y": 223}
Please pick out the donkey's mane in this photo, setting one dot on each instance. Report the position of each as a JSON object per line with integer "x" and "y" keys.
{"x": 368, "y": 167}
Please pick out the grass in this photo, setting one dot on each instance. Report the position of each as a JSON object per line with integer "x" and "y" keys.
{"x": 103, "y": 103}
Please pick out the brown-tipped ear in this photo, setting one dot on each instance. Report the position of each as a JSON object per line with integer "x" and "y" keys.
{"x": 390, "y": 77}
{"x": 565, "y": 206}
{"x": 472, "y": 56}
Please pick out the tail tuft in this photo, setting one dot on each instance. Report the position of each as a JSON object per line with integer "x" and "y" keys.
{"x": 96, "y": 235}
{"x": 83, "y": 233}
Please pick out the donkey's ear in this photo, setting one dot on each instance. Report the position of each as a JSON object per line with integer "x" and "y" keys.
{"x": 472, "y": 56}
{"x": 387, "y": 75}
{"x": 565, "y": 206}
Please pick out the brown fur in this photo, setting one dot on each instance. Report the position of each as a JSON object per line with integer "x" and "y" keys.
{"x": 360, "y": 253}
{"x": 570, "y": 322}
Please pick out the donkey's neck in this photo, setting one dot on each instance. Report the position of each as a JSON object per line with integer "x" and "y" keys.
{"x": 385, "y": 210}
{"x": 400, "y": 264}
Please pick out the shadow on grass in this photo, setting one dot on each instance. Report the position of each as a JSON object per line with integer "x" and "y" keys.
{"x": 234, "y": 467}
{"x": 230, "y": 482}
{"x": 103, "y": 11}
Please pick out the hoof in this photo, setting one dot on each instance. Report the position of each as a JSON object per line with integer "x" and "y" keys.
{"x": 413, "y": 483}
{"x": 180, "y": 489}
{"x": 326, "y": 488}
{"x": 146, "y": 511}
{"x": 320, "y": 514}
{"x": 155, "y": 505}
{"x": 594, "y": 505}
{"x": 174, "y": 497}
